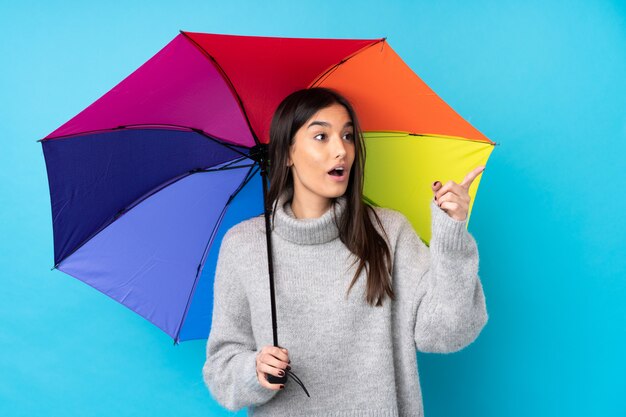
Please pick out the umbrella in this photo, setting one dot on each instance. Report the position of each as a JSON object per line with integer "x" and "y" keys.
{"x": 145, "y": 181}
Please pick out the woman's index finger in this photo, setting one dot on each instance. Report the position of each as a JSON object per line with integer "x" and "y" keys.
{"x": 467, "y": 181}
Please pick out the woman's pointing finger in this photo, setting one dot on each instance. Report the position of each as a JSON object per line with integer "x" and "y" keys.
{"x": 469, "y": 178}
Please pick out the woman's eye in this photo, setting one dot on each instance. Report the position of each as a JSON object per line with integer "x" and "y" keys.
{"x": 322, "y": 136}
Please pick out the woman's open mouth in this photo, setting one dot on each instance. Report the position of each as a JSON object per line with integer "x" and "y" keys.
{"x": 338, "y": 174}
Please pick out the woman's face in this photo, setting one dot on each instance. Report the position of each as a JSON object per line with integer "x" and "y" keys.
{"x": 324, "y": 142}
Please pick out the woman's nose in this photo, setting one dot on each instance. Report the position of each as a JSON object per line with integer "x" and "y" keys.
{"x": 339, "y": 148}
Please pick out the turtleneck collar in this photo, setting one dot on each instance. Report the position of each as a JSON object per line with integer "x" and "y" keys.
{"x": 307, "y": 231}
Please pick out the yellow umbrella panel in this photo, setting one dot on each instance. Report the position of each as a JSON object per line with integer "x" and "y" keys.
{"x": 400, "y": 169}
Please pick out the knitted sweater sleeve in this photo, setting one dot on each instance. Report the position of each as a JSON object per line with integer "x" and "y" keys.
{"x": 448, "y": 302}
{"x": 230, "y": 368}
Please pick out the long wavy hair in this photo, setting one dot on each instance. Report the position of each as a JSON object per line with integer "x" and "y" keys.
{"x": 356, "y": 230}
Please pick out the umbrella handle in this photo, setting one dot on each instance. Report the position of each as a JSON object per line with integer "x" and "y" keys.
{"x": 281, "y": 380}
{"x": 273, "y": 379}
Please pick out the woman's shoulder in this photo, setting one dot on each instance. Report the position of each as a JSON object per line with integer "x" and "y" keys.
{"x": 247, "y": 229}
{"x": 392, "y": 220}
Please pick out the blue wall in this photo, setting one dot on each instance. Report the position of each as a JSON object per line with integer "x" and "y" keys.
{"x": 543, "y": 79}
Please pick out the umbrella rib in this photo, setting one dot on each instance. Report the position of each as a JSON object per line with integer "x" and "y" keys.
{"x": 219, "y": 141}
{"x": 216, "y": 226}
{"x": 224, "y": 168}
{"x": 198, "y": 271}
{"x": 425, "y": 135}
{"x": 320, "y": 78}
{"x": 228, "y": 82}
{"x": 201, "y": 132}
{"x": 109, "y": 129}
{"x": 437, "y": 136}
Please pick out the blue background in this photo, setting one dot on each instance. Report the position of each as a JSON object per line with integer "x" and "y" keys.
{"x": 546, "y": 80}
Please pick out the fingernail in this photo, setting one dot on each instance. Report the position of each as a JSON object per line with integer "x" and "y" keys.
{"x": 435, "y": 183}
{"x": 284, "y": 350}
{"x": 282, "y": 386}
{"x": 281, "y": 373}
{"x": 289, "y": 361}
{"x": 288, "y": 368}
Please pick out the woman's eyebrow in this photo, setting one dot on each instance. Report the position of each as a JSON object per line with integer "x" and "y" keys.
{"x": 326, "y": 124}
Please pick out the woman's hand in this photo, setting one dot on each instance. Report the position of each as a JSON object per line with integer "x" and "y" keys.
{"x": 272, "y": 360}
{"x": 454, "y": 198}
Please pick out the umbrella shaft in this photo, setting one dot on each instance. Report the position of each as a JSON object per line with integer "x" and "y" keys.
{"x": 268, "y": 236}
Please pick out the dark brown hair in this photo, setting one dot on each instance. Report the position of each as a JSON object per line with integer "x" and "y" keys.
{"x": 356, "y": 229}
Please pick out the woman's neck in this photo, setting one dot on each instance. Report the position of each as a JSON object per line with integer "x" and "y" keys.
{"x": 312, "y": 207}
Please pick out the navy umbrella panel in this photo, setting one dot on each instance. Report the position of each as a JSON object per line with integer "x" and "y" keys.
{"x": 150, "y": 256}
{"x": 95, "y": 177}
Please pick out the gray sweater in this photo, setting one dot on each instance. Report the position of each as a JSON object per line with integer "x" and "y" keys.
{"x": 354, "y": 359}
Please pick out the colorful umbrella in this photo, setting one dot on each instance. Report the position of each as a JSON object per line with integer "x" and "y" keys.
{"x": 145, "y": 181}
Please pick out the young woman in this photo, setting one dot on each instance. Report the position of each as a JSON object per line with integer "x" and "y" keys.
{"x": 357, "y": 291}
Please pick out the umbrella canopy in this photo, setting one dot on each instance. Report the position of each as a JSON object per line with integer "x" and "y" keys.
{"x": 145, "y": 181}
